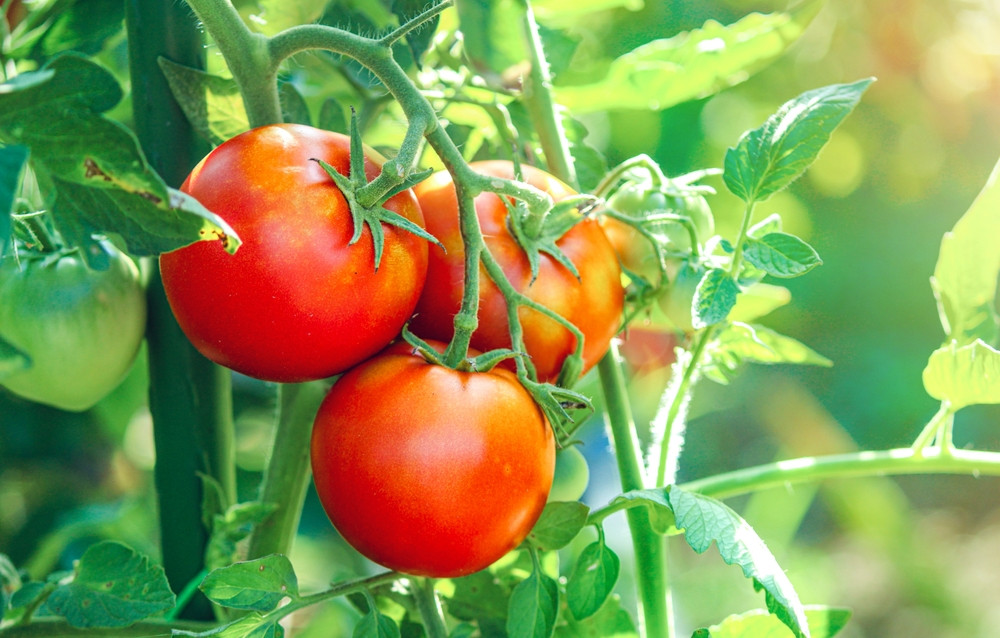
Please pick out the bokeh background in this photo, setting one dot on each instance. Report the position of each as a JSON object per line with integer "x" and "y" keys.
{"x": 914, "y": 557}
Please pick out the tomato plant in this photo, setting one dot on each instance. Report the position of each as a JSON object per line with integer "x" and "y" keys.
{"x": 428, "y": 470}
{"x": 592, "y": 302}
{"x": 298, "y": 300}
{"x": 80, "y": 327}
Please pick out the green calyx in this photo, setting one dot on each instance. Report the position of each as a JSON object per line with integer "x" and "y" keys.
{"x": 366, "y": 199}
{"x": 538, "y": 233}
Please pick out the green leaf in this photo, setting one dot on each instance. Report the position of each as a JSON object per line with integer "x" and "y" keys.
{"x": 12, "y": 360}
{"x": 419, "y": 39}
{"x": 13, "y": 159}
{"x": 376, "y": 625}
{"x": 706, "y": 520}
{"x": 964, "y": 375}
{"x": 478, "y": 596}
{"x": 332, "y": 117}
{"x": 231, "y": 527}
{"x": 558, "y": 525}
{"x": 593, "y": 579}
{"x": 534, "y": 605}
{"x": 493, "y": 34}
{"x": 690, "y": 65}
{"x": 212, "y": 104}
{"x": 294, "y": 109}
{"x": 965, "y": 277}
{"x": 252, "y": 625}
{"x": 740, "y": 343}
{"x": 661, "y": 514}
{"x": 113, "y": 586}
{"x": 84, "y": 27}
{"x": 146, "y": 228}
{"x": 781, "y": 255}
{"x": 713, "y": 299}
{"x": 610, "y": 621}
{"x": 759, "y": 300}
{"x": 769, "y": 158}
{"x": 824, "y": 622}
{"x": 256, "y": 585}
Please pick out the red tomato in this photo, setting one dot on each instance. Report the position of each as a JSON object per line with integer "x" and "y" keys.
{"x": 295, "y": 302}
{"x": 593, "y": 303}
{"x": 428, "y": 470}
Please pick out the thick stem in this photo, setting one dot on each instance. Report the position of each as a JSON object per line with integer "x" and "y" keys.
{"x": 288, "y": 471}
{"x": 189, "y": 396}
{"x": 649, "y": 547}
{"x": 247, "y": 56}
{"x": 538, "y": 98}
{"x": 430, "y": 610}
{"x": 734, "y": 269}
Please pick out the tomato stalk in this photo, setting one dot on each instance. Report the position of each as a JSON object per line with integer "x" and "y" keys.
{"x": 429, "y": 607}
{"x": 287, "y": 475}
{"x": 649, "y": 547}
{"x": 189, "y": 396}
{"x": 938, "y": 430}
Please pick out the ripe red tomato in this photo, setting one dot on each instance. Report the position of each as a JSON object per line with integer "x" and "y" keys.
{"x": 295, "y": 302}
{"x": 593, "y": 303}
{"x": 428, "y": 470}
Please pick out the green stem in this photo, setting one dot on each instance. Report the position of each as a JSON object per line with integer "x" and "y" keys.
{"x": 649, "y": 547}
{"x": 430, "y": 611}
{"x": 941, "y": 421}
{"x": 288, "y": 471}
{"x": 673, "y": 439}
{"x": 608, "y": 182}
{"x": 343, "y": 589}
{"x": 900, "y": 461}
{"x": 247, "y": 56}
{"x": 734, "y": 269}
{"x": 538, "y": 99}
{"x": 189, "y": 396}
{"x": 39, "y": 233}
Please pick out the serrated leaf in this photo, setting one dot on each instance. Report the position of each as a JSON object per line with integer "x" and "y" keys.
{"x": 419, "y": 39}
{"x": 558, "y": 525}
{"x": 610, "y": 621}
{"x": 714, "y": 297}
{"x": 661, "y": 515}
{"x": 232, "y": 526}
{"x": 256, "y": 585}
{"x": 113, "y": 586}
{"x": 593, "y": 579}
{"x": 13, "y": 159}
{"x": 146, "y": 228}
{"x": 740, "y": 343}
{"x": 964, "y": 375}
{"x": 534, "y": 604}
{"x": 376, "y": 625}
{"x": 478, "y": 596}
{"x": 690, "y": 65}
{"x": 705, "y": 520}
{"x": 12, "y": 360}
{"x": 82, "y": 27}
{"x": 758, "y": 300}
{"x": 212, "y": 104}
{"x": 769, "y": 158}
{"x": 781, "y": 255}
{"x": 965, "y": 277}
{"x": 824, "y": 622}
{"x": 252, "y": 625}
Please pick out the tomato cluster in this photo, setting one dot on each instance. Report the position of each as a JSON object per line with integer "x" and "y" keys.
{"x": 423, "y": 468}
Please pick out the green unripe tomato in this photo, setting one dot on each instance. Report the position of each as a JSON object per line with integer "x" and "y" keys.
{"x": 641, "y": 200}
{"x": 571, "y": 476}
{"x": 81, "y": 328}
{"x": 677, "y": 299}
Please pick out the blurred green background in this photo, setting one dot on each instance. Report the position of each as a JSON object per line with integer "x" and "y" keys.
{"x": 914, "y": 557}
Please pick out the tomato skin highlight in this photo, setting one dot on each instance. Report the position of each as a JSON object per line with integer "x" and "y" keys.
{"x": 295, "y": 302}
{"x": 82, "y": 328}
{"x": 593, "y": 303}
{"x": 428, "y": 470}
